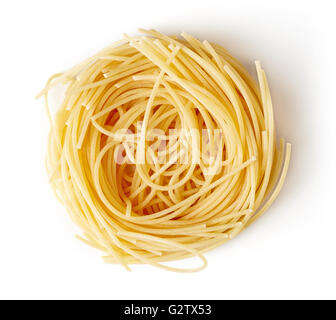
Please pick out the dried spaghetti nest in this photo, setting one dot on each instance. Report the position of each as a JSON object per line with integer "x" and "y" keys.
{"x": 163, "y": 148}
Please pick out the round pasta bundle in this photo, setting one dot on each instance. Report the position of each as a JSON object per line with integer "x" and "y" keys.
{"x": 163, "y": 148}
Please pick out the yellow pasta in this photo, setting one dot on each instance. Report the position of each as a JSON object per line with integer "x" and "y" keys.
{"x": 163, "y": 148}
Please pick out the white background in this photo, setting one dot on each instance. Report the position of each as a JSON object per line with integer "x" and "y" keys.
{"x": 288, "y": 253}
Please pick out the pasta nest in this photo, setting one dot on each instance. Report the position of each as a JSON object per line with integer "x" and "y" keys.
{"x": 163, "y": 148}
